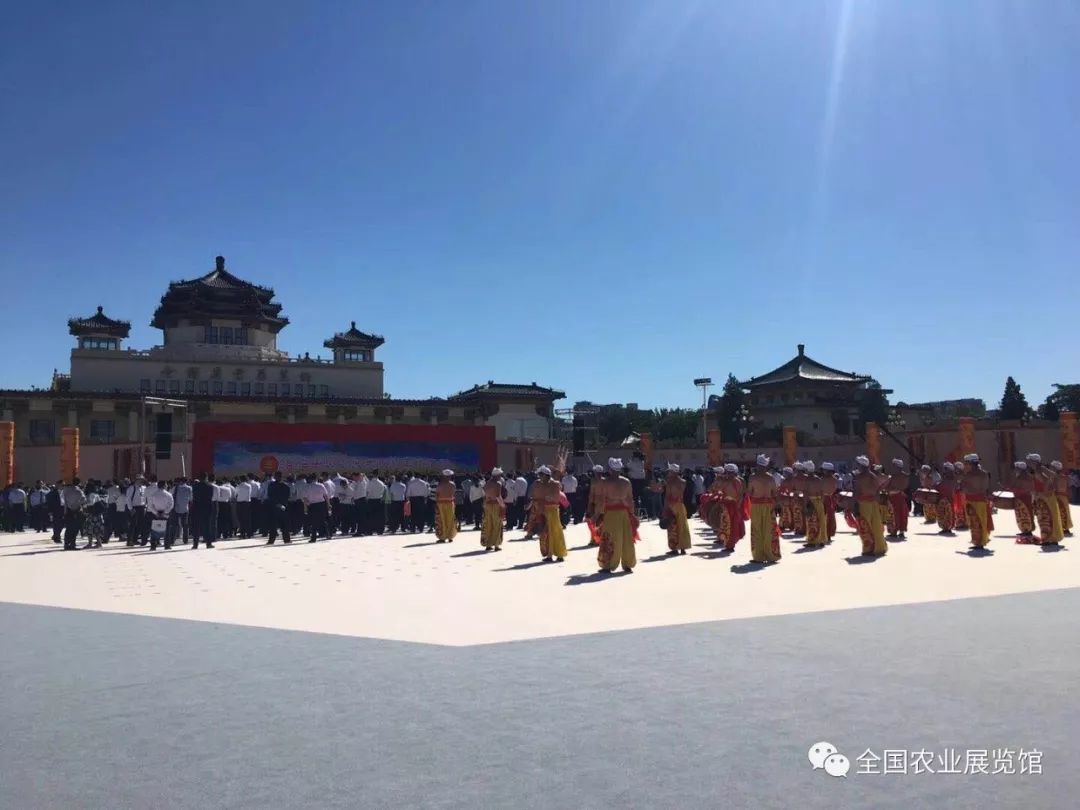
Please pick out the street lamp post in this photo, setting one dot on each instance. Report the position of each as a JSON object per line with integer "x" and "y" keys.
{"x": 704, "y": 383}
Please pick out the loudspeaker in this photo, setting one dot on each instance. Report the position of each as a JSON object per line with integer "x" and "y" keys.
{"x": 579, "y": 435}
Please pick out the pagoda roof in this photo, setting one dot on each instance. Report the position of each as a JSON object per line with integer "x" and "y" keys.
{"x": 494, "y": 390}
{"x": 219, "y": 294}
{"x": 354, "y": 339}
{"x": 99, "y": 324}
{"x": 803, "y": 367}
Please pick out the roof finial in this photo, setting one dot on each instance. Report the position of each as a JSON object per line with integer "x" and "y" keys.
{"x": 354, "y": 324}
{"x": 219, "y": 263}
{"x": 802, "y": 349}
{"x": 99, "y": 309}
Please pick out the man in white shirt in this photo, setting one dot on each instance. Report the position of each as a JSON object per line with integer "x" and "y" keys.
{"x": 358, "y": 489}
{"x": 17, "y": 507}
{"x": 417, "y": 491}
{"x": 159, "y": 506}
{"x": 376, "y": 509}
{"x": 476, "y": 500}
{"x": 219, "y": 510}
{"x": 569, "y": 488}
{"x": 397, "y": 504}
{"x": 521, "y": 490}
{"x": 243, "y": 507}
{"x": 138, "y": 528}
{"x": 182, "y": 495}
{"x": 317, "y": 500}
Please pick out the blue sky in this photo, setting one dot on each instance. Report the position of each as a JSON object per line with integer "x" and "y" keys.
{"x": 607, "y": 197}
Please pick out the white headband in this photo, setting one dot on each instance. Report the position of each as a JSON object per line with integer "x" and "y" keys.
{"x": 898, "y": 462}
{"x": 1034, "y": 457}
{"x": 828, "y": 466}
{"x": 731, "y": 468}
{"x": 763, "y": 460}
{"x": 543, "y": 470}
{"x": 497, "y": 471}
{"x": 672, "y": 467}
{"x": 598, "y": 468}
{"x": 448, "y": 473}
{"x": 1020, "y": 465}
{"x": 615, "y": 464}
{"x": 1056, "y": 465}
{"x": 808, "y": 466}
{"x": 862, "y": 460}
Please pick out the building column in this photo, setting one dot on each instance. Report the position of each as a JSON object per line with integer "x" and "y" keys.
{"x": 341, "y": 419}
{"x": 133, "y": 426}
{"x": 73, "y": 418}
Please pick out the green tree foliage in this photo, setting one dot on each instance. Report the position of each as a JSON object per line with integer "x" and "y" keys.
{"x": 615, "y": 422}
{"x": 1014, "y": 404}
{"x": 874, "y": 405}
{"x": 727, "y": 407}
{"x": 1064, "y": 398}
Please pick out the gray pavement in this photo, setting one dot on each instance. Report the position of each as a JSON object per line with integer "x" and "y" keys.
{"x": 114, "y": 710}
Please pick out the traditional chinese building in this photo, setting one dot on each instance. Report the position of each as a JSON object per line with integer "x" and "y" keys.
{"x": 219, "y": 355}
{"x": 821, "y": 402}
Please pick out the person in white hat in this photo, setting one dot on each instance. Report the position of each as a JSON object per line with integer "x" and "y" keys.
{"x": 816, "y": 522}
{"x": 1023, "y": 488}
{"x": 830, "y": 486}
{"x": 1047, "y": 514}
{"x": 798, "y": 484}
{"x": 616, "y": 519}
{"x": 867, "y": 485}
{"x": 1061, "y": 490}
{"x": 764, "y": 535}
{"x": 491, "y": 528}
{"x": 727, "y": 514}
{"x": 927, "y": 482}
{"x": 896, "y": 484}
{"x": 975, "y": 486}
{"x": 546, "y": 515}
{"x": 445, "y": 518}
{"x": 678, "y": 528}
{"x": 946, "y": 489}
{"x": 786, "y": 495}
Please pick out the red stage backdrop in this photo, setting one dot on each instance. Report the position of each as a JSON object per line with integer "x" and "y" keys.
{"x": 231, "y": 448}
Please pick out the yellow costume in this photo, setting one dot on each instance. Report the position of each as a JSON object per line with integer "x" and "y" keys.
{"x": 817, "y": 533}
{"x": 616, "y": 539}
{"x": 678, "y": 531}
{"x": 764, "y": 546}
{"x": 552, "y": 539}
{"x": 871, "y": 529}
{"x": 445, "y": 521}
{"x": 1049, "y": 517}
{"x": 491, "y": 530}
{"x": 979, "y": 521}
{"x": 1066, "y": 513}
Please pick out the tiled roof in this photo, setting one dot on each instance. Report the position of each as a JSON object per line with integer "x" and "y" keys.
{"x": 99, "y": 323}
{"x": 221, "y": 279}
{"x": 35, "y": 393}
{"x": 803, "y": 367}
{"x": 354, "y": 337}
{"x": 494, "y": 389}
{"x": 218, "y": 294}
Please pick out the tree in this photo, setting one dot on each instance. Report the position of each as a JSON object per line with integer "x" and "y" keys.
{"x": 873, "y": 406}
{"x": 1014, "y": 404}
{"x": 727, "y": 407}
{"x": 1064, "y": 398}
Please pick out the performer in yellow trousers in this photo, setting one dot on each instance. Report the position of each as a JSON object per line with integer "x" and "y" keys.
{"x": 764, "y": 546}
{"x": 616, "y": 503}
{"x": 1047, "y": 513}
{"x": 871, "y": 528}
{"x": 546, "y": 516}
{"x": 445, "y": 521}
{"x": 817, "y": 530}
{"x": 1061, "y": 488}
{"x": 678, "y": 530}
{"x": 975, "y": 486}
{"x": 491, "y": 530}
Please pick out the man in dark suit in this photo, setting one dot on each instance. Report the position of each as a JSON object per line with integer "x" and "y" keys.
{"x": 202, "y": 496}
{"x": 277, "y": 504}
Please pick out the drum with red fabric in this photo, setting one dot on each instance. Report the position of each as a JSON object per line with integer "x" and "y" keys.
{"x": 926, "y": 496}
{"x": 1004, "y": 500}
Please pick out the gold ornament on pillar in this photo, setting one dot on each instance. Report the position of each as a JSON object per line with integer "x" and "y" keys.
{"x": 7, "y": 453}
{"x": 647, "y": 449}
{"x": 791, "y": 445}
{"x": 873, "y": 442}
{"x": 1070, "y": 440}
{"x": 716, "y": 453}
{"x": 967, "y": 435}
{"x": 69, "y": 453}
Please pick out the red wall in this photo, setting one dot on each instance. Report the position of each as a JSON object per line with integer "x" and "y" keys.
{"x": 206, "y": 434}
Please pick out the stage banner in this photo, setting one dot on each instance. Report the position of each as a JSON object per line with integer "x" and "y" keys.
{"x": 69, "y": 453}
{"x": 791, "y": 446}
{"x": 235, "y": 458}
{"x": 1070, "y": 441}
{"x": 716, "y": 452}
{"x": 647, "y": 449}
{"x": 967, "y": 435}
{"x": 7, "y": 453}
{"x": 873, "y": 442}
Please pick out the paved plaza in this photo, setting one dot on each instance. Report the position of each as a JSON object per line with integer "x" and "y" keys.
{"x": 430, "y": 675}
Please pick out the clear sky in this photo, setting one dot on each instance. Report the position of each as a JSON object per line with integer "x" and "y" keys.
{"x": 607, "y": 196}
